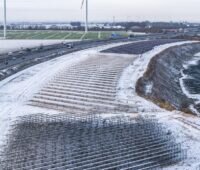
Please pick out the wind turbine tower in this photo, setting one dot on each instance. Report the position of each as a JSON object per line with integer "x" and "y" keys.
{"x": 86, "y": 14}
{"x": 5, "y": 25}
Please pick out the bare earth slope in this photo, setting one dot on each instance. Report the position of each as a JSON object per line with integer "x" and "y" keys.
{"x": 161, "y": 82}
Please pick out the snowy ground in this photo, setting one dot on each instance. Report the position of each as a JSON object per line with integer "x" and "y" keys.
{"x": 196, "y": 97}
{"x": 186, "y": 128}
{"x": 16, "y": 90}
{"x": 14, "y": 45}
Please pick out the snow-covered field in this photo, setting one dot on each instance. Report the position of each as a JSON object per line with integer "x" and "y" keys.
{"x": 16, "y": 90}
{"x": 14, "y": 45}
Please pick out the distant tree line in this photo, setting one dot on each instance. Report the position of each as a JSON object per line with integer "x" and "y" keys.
{"x": 154, "y": 27}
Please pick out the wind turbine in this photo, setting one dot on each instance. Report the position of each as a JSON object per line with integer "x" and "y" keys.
{"x": 86, "y": 14}
{"x": 5, "y": 19}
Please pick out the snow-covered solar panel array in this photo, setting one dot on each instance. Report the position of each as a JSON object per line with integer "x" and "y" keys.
{"x": 42, "y": 142}
{"x": 86, "y": 87}
{"x": 140, "y": 47}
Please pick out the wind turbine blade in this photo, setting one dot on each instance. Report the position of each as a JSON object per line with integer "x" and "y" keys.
{"x": 82, "y": 3}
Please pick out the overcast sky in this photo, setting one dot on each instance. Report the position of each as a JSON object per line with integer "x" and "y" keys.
{"x": 103, "y": 10}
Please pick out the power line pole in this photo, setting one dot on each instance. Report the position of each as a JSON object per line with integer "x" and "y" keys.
{"x": 5, "y": 21}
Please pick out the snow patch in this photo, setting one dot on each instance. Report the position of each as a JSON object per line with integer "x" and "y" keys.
{"x": 197, "y": 54}
{"x": 196, "y": 97}
{"x": 148, "y": 88}
{"x": 194, "y": 61}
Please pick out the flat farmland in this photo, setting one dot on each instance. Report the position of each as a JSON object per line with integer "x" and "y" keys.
{"x": 54, "y": 35}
